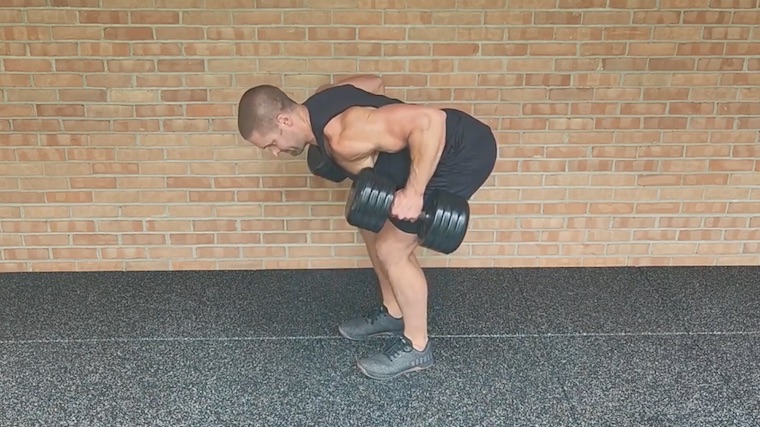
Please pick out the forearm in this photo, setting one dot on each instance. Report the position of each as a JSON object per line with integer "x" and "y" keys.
{"x": 425, "y": 148}
{"x": 379, "y": 88}
{"x": 367, "y": 82}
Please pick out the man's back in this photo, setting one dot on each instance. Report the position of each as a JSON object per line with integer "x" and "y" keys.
{"x": 325, "y": 105}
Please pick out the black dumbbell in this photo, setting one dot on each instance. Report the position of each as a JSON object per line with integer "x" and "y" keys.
{"x": 322, "y": 166}
{"x": 441, "y": 226}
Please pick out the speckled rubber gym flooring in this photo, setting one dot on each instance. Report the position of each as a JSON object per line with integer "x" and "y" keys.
{"x": 514, "y": 347}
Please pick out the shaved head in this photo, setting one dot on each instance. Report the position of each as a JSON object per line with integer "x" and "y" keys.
{"x": 259, "y": 107}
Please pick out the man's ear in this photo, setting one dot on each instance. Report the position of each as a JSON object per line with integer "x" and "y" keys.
{"x": 284, "y": 119}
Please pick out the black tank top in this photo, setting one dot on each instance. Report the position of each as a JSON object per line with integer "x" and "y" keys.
{"x": 325, "y": 105}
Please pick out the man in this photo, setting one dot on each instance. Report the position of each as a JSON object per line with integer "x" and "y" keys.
{"x": 420, "y": 148}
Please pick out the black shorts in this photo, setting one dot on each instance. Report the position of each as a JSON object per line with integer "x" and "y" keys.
{"x": 468, "y": 160}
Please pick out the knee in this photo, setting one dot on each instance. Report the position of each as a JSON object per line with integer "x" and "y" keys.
{"x": 369, "y": 237}
{"x": 392, "y": 251}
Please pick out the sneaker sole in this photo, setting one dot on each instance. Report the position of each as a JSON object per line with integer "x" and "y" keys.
{"x": 365, "y": 337}
{"x": 388, "y": 377}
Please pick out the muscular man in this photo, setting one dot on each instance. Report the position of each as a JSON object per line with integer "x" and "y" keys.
{"x": 420, "y": 149}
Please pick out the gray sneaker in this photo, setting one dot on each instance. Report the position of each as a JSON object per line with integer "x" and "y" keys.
{"x": 376, "y": 323}
{"x": 397, "y": 358}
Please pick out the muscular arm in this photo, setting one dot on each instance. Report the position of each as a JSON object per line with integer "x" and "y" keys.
{"x": 392, "y": 128}
{"x": 426, "y": 142}
{"x": 367, "y": 82}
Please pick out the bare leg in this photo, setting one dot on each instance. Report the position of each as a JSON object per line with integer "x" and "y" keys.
{"x": 389, "y": 300}
{"x": 395, "y": 250}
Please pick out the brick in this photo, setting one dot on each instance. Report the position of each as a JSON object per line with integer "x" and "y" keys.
{"x": 50, "y": 16}
{"x": 388, "y": 18}
{"x": 128, "y": 33}
{"x": 103, "y": 17}
{"x": 557, "y": 18}
{"x": 581, "y": 4}
{"x": 700, "y": 49}
{"x": 545, "y": 109}
{"x": 610, "y": 94}
{"x": 553, "y": 49}
{"x": 231, "y": 33}
{"x": 710, "y": 123}
{"x": 26, "y": 33}
{"x": 92, "y": 183}
{"x": 627, "y": 33}
{"x": 726, "y": 33}
{"x": 517, "y": 64}
{"x": 731, "y": 165}
{"x": 17, "y": 110}
{"x": 734, "y": 4}
{"x": 79, "y": 65}
{"x": 652, "y": 49}
{"x": 123, "y": 4}
{"x": 596, "y": 109}
{"x": 157, "y": 49}
{"x": 81, "y": 95}
{"x": 693, "y": 108}
{"x": 154, "y": 17}
{"x": 577, "y": 33}
{"x": 657, "y": 18}
{"x": 675, "y": 94}
{"x": 35, "y": 125}
{"x": 683, "y": 33}
{"x": 671, "y": 64}
{"x": 606, "y": 18}
{"x": 13, "y": 49}
{"x": 664, "y": 123}
{"x": 724, "y": 64}
{"x": 183, "y": 95}
{"x": 179, "y": 33}
{"x": 602, "y": 49}
{"x": 534, "y": 4}
{"x": 530, "y": 34}
{"x": 742, "y": 49}
{"x": 77, "y": 33}
{"x": 713, "y": 94}
{"x": 104, "y": 49}
{"x": 618, "y": 123}
{"x": 180, "y": 65}
{"x": 456, "y": 49}
{"x": 27, "y": 65}
{"x": 130, "y": 66}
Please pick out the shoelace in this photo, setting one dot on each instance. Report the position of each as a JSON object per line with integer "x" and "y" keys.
{"x": 396, "y": 347}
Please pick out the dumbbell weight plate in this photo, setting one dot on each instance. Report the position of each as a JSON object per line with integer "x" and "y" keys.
{"x": 369, "y": 201}
{"x": 444, "y": 222}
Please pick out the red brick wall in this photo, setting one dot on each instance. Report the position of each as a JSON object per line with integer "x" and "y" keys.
{"x": 628, "y": 129}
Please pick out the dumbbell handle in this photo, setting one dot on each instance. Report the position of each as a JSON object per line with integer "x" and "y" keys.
{"x": 424, "y": 216}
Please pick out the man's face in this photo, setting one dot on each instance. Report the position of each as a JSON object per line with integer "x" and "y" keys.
{"x": 284, "y": 139}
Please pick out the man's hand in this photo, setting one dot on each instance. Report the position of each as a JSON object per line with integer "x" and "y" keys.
{"x": 407, "y": 205}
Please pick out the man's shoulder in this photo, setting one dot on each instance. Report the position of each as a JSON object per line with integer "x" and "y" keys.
{"x": 347, "y": 119}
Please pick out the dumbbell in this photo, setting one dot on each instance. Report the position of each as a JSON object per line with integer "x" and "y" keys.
{"x": 322, "y": 166}
{"x": 441, "y": 226}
